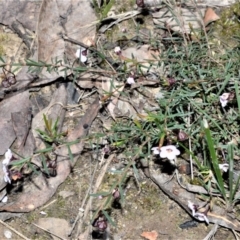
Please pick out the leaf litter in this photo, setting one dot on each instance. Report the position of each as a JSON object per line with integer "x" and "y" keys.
{"x": 19, "y": 126}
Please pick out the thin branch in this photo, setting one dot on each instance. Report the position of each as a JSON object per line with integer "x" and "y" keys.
{"x": 18, "y": 233}
{"x": 49, "y": 232}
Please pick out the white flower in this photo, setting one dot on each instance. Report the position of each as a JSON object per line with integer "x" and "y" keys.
{"x": 193, "y": 207}
{"x": 130, "y": 80}
{"x": 224, "y": 99}
{"x": 8, "y": 157}
{"x": 5, "y": 163}
{"x": 224, "y": 167}
{"x": 117, "y": 50}
{"x": 201, "y": 217}
{"x": 81, "y": 54}
{"x": 170, "y": 152}
{"x": 6, "y": 174}
{"x": 156, "y": 150}
{"x": 5, "y": 199}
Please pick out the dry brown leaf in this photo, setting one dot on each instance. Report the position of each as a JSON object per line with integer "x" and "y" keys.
{"x": 40, "y": 189}
{"x": 182, "y": 20}
{"x": 57, "y": 226}
{"x": 150, "y": 235}
{"x": 112, "y": 105}
{"x": 210, "y": 16}
{"x": 24, "y": 12}
{"x": 50, "y": 45}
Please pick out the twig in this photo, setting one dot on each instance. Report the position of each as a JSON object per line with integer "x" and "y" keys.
{"x": 236, "y": 234}
{"x": 178, "y": 180}
{"x": 212, "y": 232}
{"x": 98, "y": 183}
{"x": 81, "y": 210}
{"x": 121, "y": 17}
{"x": 48, "y": 204}
{"x": 66, "y": 38}
{"x": 99, "y": 180}
{"x": 49, "y": 232}
{"x": 18, "y": 233}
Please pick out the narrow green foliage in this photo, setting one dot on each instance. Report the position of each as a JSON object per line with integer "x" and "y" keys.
{"x": 106, "y": 8}
{"x": 20, "y": 162}
{"x": 107, "y": 202}
{"x": 50, "y": 135}
{"x": 135, "y": 171}
{"x": 32, "y": 167}
{"x": 237, "y": 95}
{"x": 214, "y": 160}
{"x": 104, "y": 194}
{"x": 70, "y": 153}
{"x": 121, "y": 194}
{"x": 1, "y": 59}
{"x": 44, "y": 150}
{"x": 44, "y": 163}
{"x": 231, "y": 180}
{"x": 108, "y": 218}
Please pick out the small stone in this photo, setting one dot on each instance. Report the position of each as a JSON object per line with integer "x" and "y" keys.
{"x": 7, "y": 234}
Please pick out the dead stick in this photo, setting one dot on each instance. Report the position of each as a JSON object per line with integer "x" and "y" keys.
{"x": 81, "y": 210}
{"x": 84, "y": 235}
{"x": 98, "y": 183}
{"x": 18, "y": 233}
{"x": 48, "y": 232}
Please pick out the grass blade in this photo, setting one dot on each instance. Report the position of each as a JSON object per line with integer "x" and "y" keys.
{"x": 214, "y": 158}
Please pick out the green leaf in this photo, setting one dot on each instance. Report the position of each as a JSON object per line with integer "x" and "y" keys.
{"x": 1, "y": 59}
{"x": 121, "y": 193}
{"x": 44, "y": 150}
{"x": 32, "y": 167}
{"x": 109, "y": 198}
{"x": 19, "y": 162}
{"x": 199, "y": 165}
{"x": 236, "y": 188}
{"x": 54, "y": 127}
{"x": 104, "y": 194}
{"x": 44, "y": 163}
{"x": 135, "y": 171}
{"x": 48, "y": 123}
{"x": 70, "y": 153}
{"x": 237, "y": 95}
{"x": 230, "y": 171}
{"x": 214, "y": 159}
{"x": 109, "y": 218}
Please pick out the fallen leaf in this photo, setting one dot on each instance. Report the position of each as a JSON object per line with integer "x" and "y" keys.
{"x": 50, "y": 45}
{"x": 142, "y": 55}
{"x": 190, "y": 19}
{"x": 150, "y": 235}
{"x": 40, "y": 189}
{"x": 16, "y": 103}
{"x": 210, "y": 16}
{"x": 9, "y": 13}
{"x": 57, "y": 226}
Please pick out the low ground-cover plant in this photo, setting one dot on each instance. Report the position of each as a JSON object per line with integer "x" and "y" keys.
{"x": 198, "y": 88}
{"x": 196, "y": 84}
